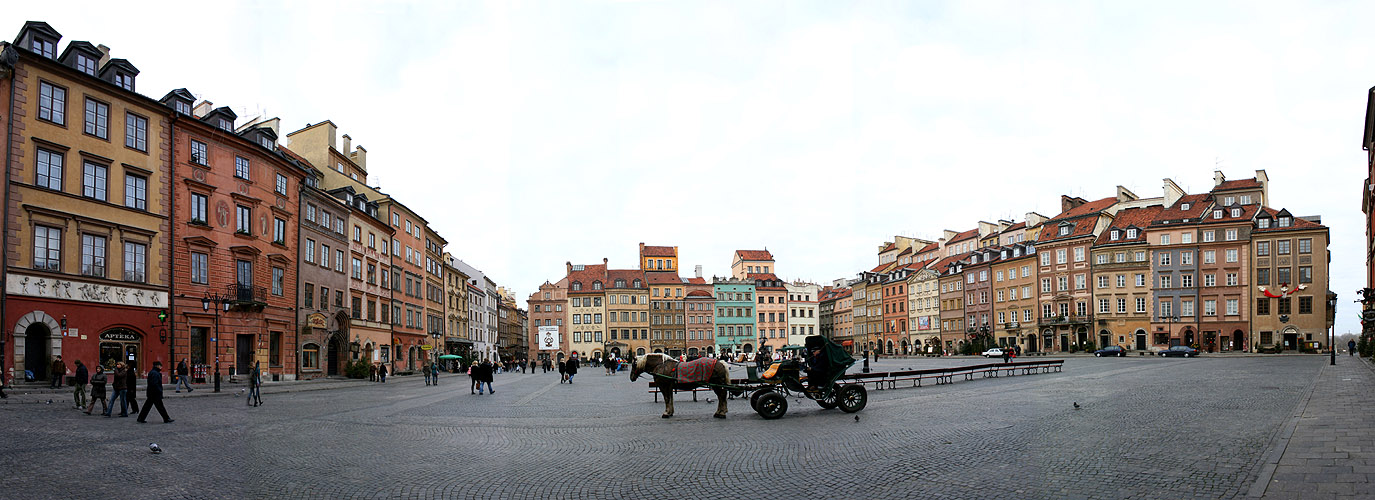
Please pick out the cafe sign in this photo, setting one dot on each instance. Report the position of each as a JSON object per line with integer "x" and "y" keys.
{"x": 317, "y": 320}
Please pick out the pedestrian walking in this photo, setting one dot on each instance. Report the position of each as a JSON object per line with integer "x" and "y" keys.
{"x": 182, "y": 376}
{"x": 59, "y": 370}
{"x": 154, "y": 396}
{"x": 572, "y": 367}
{"x": 131, "y": 387}
{"x": 79, "y": 391}
{"x": 425, "y": 370}
{"x": 548, "y": 365}
{"x": 434, "y": 373}
{"x": 473, "y": 376}
{"x": 382, "y": 373}
{"x": 372, "y": 373}
{"x": 1007, "y": 355}
{"x": 98, "y": 392}
{"x": 255, "y": 385}
{"x": 120, "y": 386}
{"x": 1350, "y": 351}
{"x": 563, "y": 371}
{"x": 485, "y": 371}
{"x": 2, "y": 386}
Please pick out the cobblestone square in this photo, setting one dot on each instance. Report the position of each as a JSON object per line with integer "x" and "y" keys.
{"x": 1148, "y": 428}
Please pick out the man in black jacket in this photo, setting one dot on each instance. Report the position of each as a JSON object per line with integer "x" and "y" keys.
{"x": 79, "y": 385}
{"x": 154, "y": 397}
{"x": 572, "y": 366}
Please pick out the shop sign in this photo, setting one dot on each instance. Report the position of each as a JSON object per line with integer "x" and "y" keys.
{"x": 120, "y": 336}
{"x": 317, "y": 320}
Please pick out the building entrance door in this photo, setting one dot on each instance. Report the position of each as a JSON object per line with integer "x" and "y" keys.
{"x": 1140, "y": 341}
{"x": 37, "y": 346}
{"x": 1291, "y": 341}
{"x": 334, "y": 352}
{"x": 243, "y": 354}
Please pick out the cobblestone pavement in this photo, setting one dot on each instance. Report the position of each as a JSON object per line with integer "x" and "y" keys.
{"x": 1148, "y": 428}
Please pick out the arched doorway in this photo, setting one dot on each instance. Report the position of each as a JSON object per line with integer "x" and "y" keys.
{"x": 890, "y": 347}
{"x": 1031, "y": 343}
{"x": 640, "y": 352}
{"x": 906, "y": 349}
{"x": 37, "y": 349}
{"x": 1140, "y": 339}
{"x": 1104, "y": 338}
{"x": 658, "y": 350}
{"x": 1189, "y": 337}
{"x": 1238, "y": 340}
{"x": 333, "y": 354}
{"x": 747, "y": 348}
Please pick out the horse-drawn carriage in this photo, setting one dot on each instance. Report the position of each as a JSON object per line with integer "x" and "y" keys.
{"x": 785, "y": 378}
{"x": 768, "y": 394}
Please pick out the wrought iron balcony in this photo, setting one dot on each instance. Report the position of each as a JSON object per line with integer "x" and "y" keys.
{"x": 246, "y": 294}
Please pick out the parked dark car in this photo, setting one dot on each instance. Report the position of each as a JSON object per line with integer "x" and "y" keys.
{"x": 1112, "y": 350}
{"x": 1180, "y": 350}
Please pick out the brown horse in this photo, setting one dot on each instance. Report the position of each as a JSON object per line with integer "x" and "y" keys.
{"x": 665, "y": 372}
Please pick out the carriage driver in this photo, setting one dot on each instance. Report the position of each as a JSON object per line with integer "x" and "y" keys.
{"x": 818, "y": 366}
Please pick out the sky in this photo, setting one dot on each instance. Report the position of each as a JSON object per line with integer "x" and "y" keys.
{"x": 531, "y": 134}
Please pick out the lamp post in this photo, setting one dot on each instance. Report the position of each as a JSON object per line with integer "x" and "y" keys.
{"x": 1171, "y": 320}
{"x": 219, "y": 301}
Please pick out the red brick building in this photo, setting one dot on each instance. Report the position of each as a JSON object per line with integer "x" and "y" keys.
{"x": 236, "y": 205}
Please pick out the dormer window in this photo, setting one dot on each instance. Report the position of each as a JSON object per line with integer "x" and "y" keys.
{"x": 1217, "y": 214}
{"x": 1284, "y": 221}
{"x": 1064, "y": 230}
{"x": 1263, "y": 223}
{"x": 44, "y": 47}
{"x": 226, "y": 124}
{"x": 124, "y": 81}
{"x": 85, "y": 64}
{"x": 1183, "y": 206}
{"x": 620, "y": 283}
{"x": 1131, "y": 233}
{"x": 636, "y": 283}
{"x": 576, "y": 286}
{"x": 182, "y": 107}
{"x": 1115, "y": 235}
{"x": 596, "y": 285}
{"x": 1236, "y": 212}
{"x": 265, "y": 141}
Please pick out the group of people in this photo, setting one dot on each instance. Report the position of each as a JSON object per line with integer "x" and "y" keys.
{"x": 481, "y": 375}
{"x": 124, "y": 378}
{"x": 378, "y": 373}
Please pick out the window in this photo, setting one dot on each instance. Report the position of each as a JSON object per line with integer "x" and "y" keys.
{"x": 1064, "y": 230}
{"x": 241, "y": 167}
{"x": 97, "y": 118}
{"x": 1282, "y": 247}
{"x": 48, "y": 173}
{"x": 1186, "y": 258}
{"x": 93, "y": 181}
{"x": 1116, "y": 234}
{"x": 310, "y": 357}
{"x": 1262, "y": 248}
{"x": 1186, "y": 237}
{"x": 1121, "y": 280}
{"x": 1104, "y": 307}
{"x": 1232, "y": 307}
{"x": 278, "y": 276}
{"x": 1045, "y": 259}
{"x": 1232, "y": 233}
{"x": 1165, "y": 238}
{"x": 1140, "y": 304}
{"x": 1263, "y": 223}
{"x": 1186, "y": 308}
{"x": 46, "y": 48}
{"x": 198, "y": 153}
{"x": 199, "y": 206}
{"x": 1165, "y": 281}
{"x": 1305, "y": 305}
{"x": 278, "y": 231}
{"x": 1284, "y": 307}
{"x": 1102, "y": 258}
{"x": 1131, "y": 233}
{"x": 1078, "y": 254}
{"x": 1164, "y": 259}
{"x": 1305, "y": 245}
{"x": 281, "y": 184}
{"x": 93, "y": 255}
{"x": 52, "y": 103}
{"x": 1121, "y": 305}
{"x": 1209, "y": 280}
{"x": 243, "y": 219}
{"x": 1305, "y": 274}
{"x": 1231, "y": 255}
{"x": 324, "y": 256}
{"x": 1262, "y": 276}
{"x": 1283, "y": 222}
{"x": 1102, "y": 281}
{"x": 1167, "y": 308}
{"x": 1282, "y": 274}
{"x": 1209, "y": 236}
{"x": 135, "y": 261}
{"x": 358, "y": 237}
{"x": 1060, "y": 256}
{"x": 1140, "y": 256}
{"x": 135, "y": 192}
{"x": 47, "y": 248}
{"x": 136, "y": 131}
{"x": 1217, "y": 214}
{"x": 1186, "y": 280}
{"x": 1263, "y": 306}
{"x": 1063, "y": 283}
{"x": 1231, "y": 279}
{"x": 1209, "y": 256}
{"x": 200, "y": 265}
{"x": 1080, "y": 282}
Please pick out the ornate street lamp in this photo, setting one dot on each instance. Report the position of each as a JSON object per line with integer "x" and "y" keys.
{"x": 208, "y": 299}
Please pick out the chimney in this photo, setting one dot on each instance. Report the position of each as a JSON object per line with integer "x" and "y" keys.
{"x": 104, "y": 55}
{"x": 698, "y": 268}
{"x": 569, "y": 265}
{"x": 1068, "y": 203}
{"x": 360, "y": 157}
{"x": 202, "y": 109}
{"x": 1218, "y": 178}
{"x": 348, "y": 143}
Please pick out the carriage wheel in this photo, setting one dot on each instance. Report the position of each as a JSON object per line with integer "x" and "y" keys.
{"x": 853, "y": 398}
{"x": 832, "y": 398}
{"x": 754, "y": 398}
{"x": 772, "y": 405}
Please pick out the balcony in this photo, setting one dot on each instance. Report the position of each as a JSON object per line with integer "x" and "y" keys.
{"x": 246, "y": 296}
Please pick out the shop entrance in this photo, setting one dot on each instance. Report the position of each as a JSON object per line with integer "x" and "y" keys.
{"x": 243, "y": 354}
{"x": 335, "y": 352}
{"x": 120, "y": 344}
{"x": 37, "y": 349}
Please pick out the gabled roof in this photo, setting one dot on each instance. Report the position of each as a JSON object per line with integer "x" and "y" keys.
{"x": 754, "y": 255}
{"x": 941, "y": 265}
{"x": 629, "y": 275}
{"x": 1079, "y": 227}
{"x": 1090, "y": 208}
{"x": 658, "y": 251}
{"x": 663, "y": 278}
{"x": 1137, "y": 217}
{"x": 1247, "y": 213}
{"x": 697, "y": 281}
{"x": 972, "y": 233}
{"x": 1197, "y": 204}
{"x": 930, "y": 247}
{"x": 589, "y": 274}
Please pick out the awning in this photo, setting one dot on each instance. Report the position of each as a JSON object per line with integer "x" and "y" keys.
{"x": 847, "y": 343}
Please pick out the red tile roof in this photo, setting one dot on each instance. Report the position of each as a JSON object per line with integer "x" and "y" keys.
{"x": 941, "y": 265}
{"x": 1296, "y": 225}
{"x": 663, "y": 277}
{"x": 1247, "y": 212}
{"x": 590, "y": 273}
{"x": 1090, "y": 208}
{"x": 930, "y": 247}
{"x": 754, "y": 254}
{"x": 1198, "y": 203}
{"x": 1014, "y": 227}
{"x": 890, "y": 246}
{"x": 881, "y": 268}
{"x": 629, "y": 275}
{"x": 650, "y": 251}
{"x": 905, "y": 251}
{"x": 699, "y": 293}
{"x": 964, "y": 236}
{"x": 1138, "y": 217}
{"x": 697, "y": 281}
{"x": 1251, "y": 183}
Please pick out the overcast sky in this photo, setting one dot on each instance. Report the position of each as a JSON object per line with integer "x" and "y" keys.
{"x": 530, "y": 134}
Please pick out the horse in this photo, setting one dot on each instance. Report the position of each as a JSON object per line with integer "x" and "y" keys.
{"x": 667, "y": 378}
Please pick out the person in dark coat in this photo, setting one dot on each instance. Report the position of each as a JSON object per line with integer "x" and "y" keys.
{"x": 563, "y": 371}
{"x": 382, "y": 372}
{"x": 98, "y": 391}
{"x": 474, "y": 376}
{"x": 154, "y": 395}
{"x": 79, "y": 384}
{"x": 484, "y": 372}
{"x": 182, "y": 377}
{"x": 571, "y": 367}
{"x": 59, "y": 370}
{"x": 120, "y": 381}
{"x": 131, "y": 387}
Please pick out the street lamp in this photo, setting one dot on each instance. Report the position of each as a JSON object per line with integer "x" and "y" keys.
{"x": 1171, "y": 320}
{"x": 205, "y": 306}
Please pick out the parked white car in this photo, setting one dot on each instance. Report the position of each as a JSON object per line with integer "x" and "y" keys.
{"x": 996, "y": 352}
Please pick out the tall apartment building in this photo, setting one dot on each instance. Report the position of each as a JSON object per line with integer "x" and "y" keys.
{"x": 952, "y": 299}
{"x": 771, "y": 308}
{"x": 923, "y": 309}
{"x": 1014, "y": 296}
{"x": 803, "y": 319}
{"x": 627, "y": 313}
{"x": 435, "y": 296}
{"x": 587, "y": 307}
{"x": 88, "y": 234}
{"x": 735, "y": 311}
{"x": 1293, "y": 304}
{"x": 324, "y": 339}
{"x": 547, "y": 309}
{"x": 456, "y": 339}
{"x": 1172, "y": 237}
{"x": 1064, "y": 269}
{"x": 1122, "y": 279}
{"x": 700, "y": 307}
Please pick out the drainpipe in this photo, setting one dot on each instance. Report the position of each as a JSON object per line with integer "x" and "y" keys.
{"x": 8, "y": 60}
